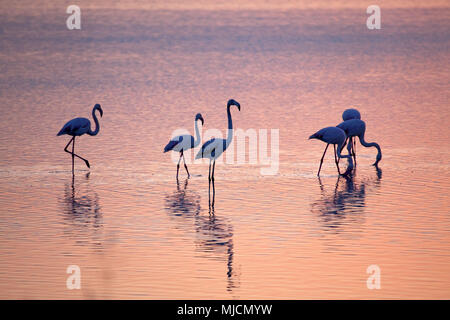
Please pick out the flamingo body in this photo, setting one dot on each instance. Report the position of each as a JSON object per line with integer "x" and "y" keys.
{"x": 212, "y": 149}
{"x": 77, "y": 127}
{"x": 332, "y": 135}
{"x": 185, "y": 142}
{"x": 357, "y": 128}
{"x": 181, "y": 143}
{"x": 336, "y": 137}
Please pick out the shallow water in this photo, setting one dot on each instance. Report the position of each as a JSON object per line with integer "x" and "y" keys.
{"x": 136, "y": 233}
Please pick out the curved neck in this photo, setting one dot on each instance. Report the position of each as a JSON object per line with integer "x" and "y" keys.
{"x": 370, "y": 144}
{"x": 97, "y": 125}
{"x": 230, "y": 127}
{"x": 197, "y": 135}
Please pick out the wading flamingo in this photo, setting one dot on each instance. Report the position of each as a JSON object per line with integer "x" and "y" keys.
{"x": 357, "y": 128}
{"x": 334, "y": 136}
{"x": 77, "y": 127}
{"x": 213, "y": 148}
{"x": 185, "y": 142}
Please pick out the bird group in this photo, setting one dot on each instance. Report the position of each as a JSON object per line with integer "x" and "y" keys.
{"x": 346, "y": 133}
{"x": 343, "y": 134}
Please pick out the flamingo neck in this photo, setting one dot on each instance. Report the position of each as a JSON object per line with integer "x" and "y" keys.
{"x": 197, "y": 135}
{"x": 371, "y": 144}
{"x": 97, "y": 125}
{"x": 230, "y": 127}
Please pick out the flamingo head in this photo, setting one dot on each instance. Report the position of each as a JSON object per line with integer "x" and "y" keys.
{"x": 378, "y": 160}
{"x": 99, "y": 108}
{"x": 199, "y": 117}
{"x": 233, "y": 102}
{"x": 318, "y": 135}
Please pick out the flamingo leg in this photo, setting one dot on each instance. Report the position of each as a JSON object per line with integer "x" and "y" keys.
{"x": 65, "y": 149}
{"x": 74, "y": 154}
{"x": 321, "y": 160}
{"x": 336, "y": 159}
{"x": 343, "y": 145}
{"x": 209, "y": 183}
{"x": 350, "y": 147}
{"x": 185, "y": 166}
{"x": 209, "y": 174}
{"x": 178, "y": 164}
{"x": 214, "y": 188}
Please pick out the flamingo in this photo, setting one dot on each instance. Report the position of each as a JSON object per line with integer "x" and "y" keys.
{"x": 77, "y": 127}
{"x": 349, "y": 114}
{"x": 213, "y": 148}
{"x": 185, "y": 142}
{"x": 357, "y": 128}
{"x": 334, "y": 136}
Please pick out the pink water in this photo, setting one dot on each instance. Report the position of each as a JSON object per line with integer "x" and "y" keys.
{"x": 135, "y": 233}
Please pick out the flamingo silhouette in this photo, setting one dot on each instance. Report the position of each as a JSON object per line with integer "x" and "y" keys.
{"x": 78, "y": 127}
{"x": 334, "y": 136}
{"x": 357, "y": 128}
{"x": 213, "y": 148}
{"x": 349, "y": 114}
{"x": 185, "y": 142}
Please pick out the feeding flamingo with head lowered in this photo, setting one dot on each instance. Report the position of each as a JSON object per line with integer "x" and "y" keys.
{"x": 357, "y": 128}
{"x": 77, "y": 127}
{"x": 185, "y": 142}
{"x": 336, "y": 137}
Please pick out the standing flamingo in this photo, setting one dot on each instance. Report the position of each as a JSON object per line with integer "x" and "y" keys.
{"x": 213, "y": 148}
{"x": 334, "y": 136}
{"x": 77, "y": 127}
{"x": 349, "y": 114}
{"x": 357, "y": 128}
{"x": 185, "y": 142}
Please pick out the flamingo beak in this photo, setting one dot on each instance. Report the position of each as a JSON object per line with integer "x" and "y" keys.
{"x": 101, "y": 112}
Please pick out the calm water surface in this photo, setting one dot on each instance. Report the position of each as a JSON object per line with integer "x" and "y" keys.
{"x": 136, "y": 233}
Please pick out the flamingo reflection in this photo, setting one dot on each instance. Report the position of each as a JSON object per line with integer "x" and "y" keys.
{"x": 213, "y": 235}
{"x": 82, "y": 212}
{"x": 183, "y": 201}
{"x": 346, "y": 204}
